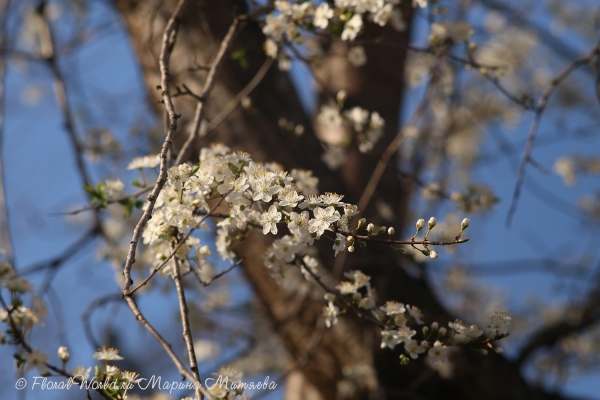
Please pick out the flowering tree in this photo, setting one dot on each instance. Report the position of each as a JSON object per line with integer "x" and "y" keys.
{"x": 320, "y": 210}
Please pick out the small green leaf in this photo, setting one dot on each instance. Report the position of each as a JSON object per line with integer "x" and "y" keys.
{"x": 90, "y": 189}
{"x": 128, "y": 209}
{"x": 240, "y": 57}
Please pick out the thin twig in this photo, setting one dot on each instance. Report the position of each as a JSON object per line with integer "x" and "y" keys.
{"x": 167, "y": 46}
{"x": 208, "y": 86}
{"x": 541, "y": 107}
{"x": 232, "y": 105}
{"x": 91, "y": 308}
{"x": 63, "y": 103}
{"x": 393, "y": 147}
{"x": 166, "y": 345}
{"x": 520, "y": 101}
{"x": 409, "y": 242}
{"x": 55, "y": 262}
{"x": 184, "y": 311}
{"x": 220, "y": 274}
{"x": 99, "y": 206}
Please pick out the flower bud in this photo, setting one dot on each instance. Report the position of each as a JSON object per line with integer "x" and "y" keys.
{"x": 361, "y": 222}
{"x": 341, "y": 96}
{"x": 63, "y": 353}
{"x": 443, "y": 331}
{"x": 432, "y": 222}
{"x": 391, "y": 231}
{"x": 433, "y": 254}
{"x": 370, "y": 228}
{"x": 465, "y": 224}
{"x": 351, "y": 249}
{"x": 420, "y": 224}
{"x": 350, "y": 239}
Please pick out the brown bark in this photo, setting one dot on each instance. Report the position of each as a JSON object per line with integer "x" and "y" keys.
{"x": 377, "y": 87}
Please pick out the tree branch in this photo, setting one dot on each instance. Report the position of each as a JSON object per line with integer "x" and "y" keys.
{"x": 208, "y": 86}
{"x": 185, "y": 323}
{"x": 167, "y": 46}
{"x": 550, "y": 335}
{"x": 541, "y": 107}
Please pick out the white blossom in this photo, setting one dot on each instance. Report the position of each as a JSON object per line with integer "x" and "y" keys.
{"x": 330, "y": 313}
{"x": 393, "y": 308}
{"x": 498, "y": 323}
{"x": 36, "y": 359}
{"x": 334, "y": 157}
{"x": 323, "y": 14}
{"x": 289, "y": 197}
{"x": 415, "y": 313}
{"x": 271, "y": 48}
{"x": 339, "y": 243}
{"x": 275, "y": 26}
{"x": 269, "y": 220}
{"x": 144, "y": 162}
{"x": 324, "y": 217}
{"x": 352, "y": 27}
{"x": 438, "y": 351}
{"x": 413, "y": 348}
{"x": 390, "y": 339}
{"x": 357, "y": 56}
{"x": 346, "y": 288}
{"x": 329, "y": 117}
{"x": 383, "y": 15}
{"x": 357, "y": 116}
{"x": 107, "y": 354}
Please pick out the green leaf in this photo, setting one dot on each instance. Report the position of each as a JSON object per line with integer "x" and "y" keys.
{"x": 240, "y": 57}
{"x": 128, "y": 209}
{"x": 90, "y": 189}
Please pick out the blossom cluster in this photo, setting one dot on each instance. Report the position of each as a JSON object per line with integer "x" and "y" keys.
{"x": 345, "y": 20}
{"x": 369, "y": 127}
{"x": 397, "y": 321}
{"x": 23, "y": 317}
{"x": 253, "y": 195}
